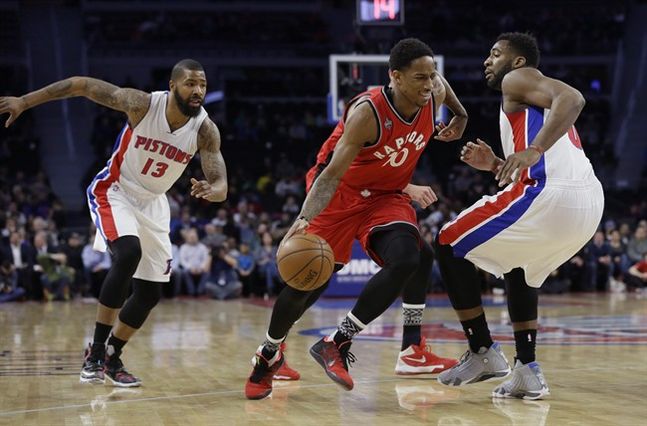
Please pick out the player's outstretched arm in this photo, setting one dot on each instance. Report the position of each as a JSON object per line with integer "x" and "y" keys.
{"x": 528, "y": 86}
{"x": 214, "y": 188}
{"x": 131, "y": 101}
{"x": 360, "y": 128}
{"x": 454, "y": 130}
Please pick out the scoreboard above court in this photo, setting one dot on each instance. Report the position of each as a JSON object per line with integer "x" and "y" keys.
{"x": 380, "y": 12}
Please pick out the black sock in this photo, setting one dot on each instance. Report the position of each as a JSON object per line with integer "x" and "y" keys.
{"x": 410, "y": 336}
{"x": 101, "y": 333}
{"x": 477, "y": 333}
{"x": 271, "y": 346}
{"x": 115, "y": 345}
{"x": 525, "y": 343}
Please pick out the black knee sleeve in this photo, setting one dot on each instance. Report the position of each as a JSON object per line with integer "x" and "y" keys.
{"x": 125, "y": 253}
{"x": 460, "y": 277}
{"x": 522, "y": 299}
{"x": 415, "y": 289}
{"x": 145, "y": 296}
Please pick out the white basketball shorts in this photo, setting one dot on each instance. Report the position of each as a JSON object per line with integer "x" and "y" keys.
{"x": 534, "y": 227}
{"x": 117, "y": 213}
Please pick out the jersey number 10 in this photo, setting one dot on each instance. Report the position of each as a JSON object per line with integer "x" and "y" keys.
{"x": 160, "y": 168}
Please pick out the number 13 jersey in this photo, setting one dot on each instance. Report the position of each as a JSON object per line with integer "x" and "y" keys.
{"x": 149, "y": 158}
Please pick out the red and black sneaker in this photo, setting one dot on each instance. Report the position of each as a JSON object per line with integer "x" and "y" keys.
{"x": 93, "y": 366}
{"x": 334, "y": 360}
{"x": 285, "y": 372}
{"x": 259, "y": 383}
{"x": 118, "y": 375}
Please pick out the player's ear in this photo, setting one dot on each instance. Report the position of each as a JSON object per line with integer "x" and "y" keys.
{"x": 395, "y": 75}
{"x": 171, "y": 84}
{"x": 518, "y": 62}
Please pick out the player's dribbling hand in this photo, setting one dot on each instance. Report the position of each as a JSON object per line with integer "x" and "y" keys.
{"x": 203, "y": 189}
{"x": 452, "y": 131}
{"x": 423, "y": 195}
{"x": 478, "y": 155}
{"x": 517, "y": 162}
{"x": 13, "y": 106}
{"x": 298, "y": 227}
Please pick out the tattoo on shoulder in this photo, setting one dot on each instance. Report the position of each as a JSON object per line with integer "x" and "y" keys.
{"x": 208, "y": 136}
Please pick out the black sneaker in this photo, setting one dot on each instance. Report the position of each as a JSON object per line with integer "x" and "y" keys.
{"x": 334, "y": 360}
{"x": 118, "y": 375}
{"x": 93, "y": 366}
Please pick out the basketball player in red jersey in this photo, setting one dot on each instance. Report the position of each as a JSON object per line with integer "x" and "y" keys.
{"x": 359, "y": 189}
{"x": 127, "y": 199}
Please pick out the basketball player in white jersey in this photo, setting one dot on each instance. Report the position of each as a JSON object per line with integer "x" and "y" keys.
{"x": 127, "y": 198}
{"x": 550, "y": 207}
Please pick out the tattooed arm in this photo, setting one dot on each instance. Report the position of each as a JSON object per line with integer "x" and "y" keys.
{"x": 131, "y": 101}
{"x": 213, "y": 165}
{"x": 360, "y": 128}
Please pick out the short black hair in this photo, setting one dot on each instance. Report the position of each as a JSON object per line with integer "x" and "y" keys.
{"x": 525, "y": 44}
{"x": 406, "y": 51}
{"x": 185, "y": 64}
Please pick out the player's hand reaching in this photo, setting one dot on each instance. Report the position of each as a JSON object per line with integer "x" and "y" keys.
{"x": 452, "y": 131}
{"x": 298, "y": 227}
{"x": 423, "y": 195}
{"x": 203, "y": 189}
{"x": 517, "y": 162}
{"x": 13, "y": 106}
{"x": 479, "y": 155}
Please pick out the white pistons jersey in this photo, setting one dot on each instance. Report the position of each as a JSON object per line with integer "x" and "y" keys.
{"x": 564, "y": 161}
{"x": 148, "y": 159}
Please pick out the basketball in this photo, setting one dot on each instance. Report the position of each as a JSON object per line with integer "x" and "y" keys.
{"x": 305, "y": 262}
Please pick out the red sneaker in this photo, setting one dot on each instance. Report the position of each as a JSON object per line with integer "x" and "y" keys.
{"x": 418, "y": 359}
{"x": 285, "y": 372}
{"x": 259, "y": 384}
{"x": 334, "y": 360}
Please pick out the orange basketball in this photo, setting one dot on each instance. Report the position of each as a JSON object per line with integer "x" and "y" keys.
{"x": 305, "y": 262}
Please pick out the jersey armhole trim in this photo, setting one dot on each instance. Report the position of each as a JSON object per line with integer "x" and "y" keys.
{"x": 377, "y": 121}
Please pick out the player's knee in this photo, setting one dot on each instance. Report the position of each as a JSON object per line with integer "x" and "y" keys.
{"x": 403, "y": 254}
{"x": 147, "y": 293}
{"x": 126, "y": 252}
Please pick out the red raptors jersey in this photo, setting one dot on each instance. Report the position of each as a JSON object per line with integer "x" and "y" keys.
{"x": 388, "y": 163}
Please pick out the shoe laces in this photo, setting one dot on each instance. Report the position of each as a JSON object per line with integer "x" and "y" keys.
{"x": 465, "y": 357}
{"x": 347, "y": 357}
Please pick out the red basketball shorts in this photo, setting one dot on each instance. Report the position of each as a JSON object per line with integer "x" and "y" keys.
{"x": 354, "y": 214}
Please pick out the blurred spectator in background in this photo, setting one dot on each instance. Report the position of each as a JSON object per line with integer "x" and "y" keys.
{"x": 55, "y": 276}
{"x": 223, "y": 280}
{"x": 266, "y": 261}
{"x": 245, "y": 266}
{"x": 637, "y": 277}
{"x": 195, "y": 261}
{"x": 96, "y": 265}
{"x": 9, "y": 290}
{"x": 637, "y": 245}
{"x": 599, "y": 262}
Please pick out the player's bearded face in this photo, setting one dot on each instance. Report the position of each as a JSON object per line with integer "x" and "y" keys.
{"x": 497, "y": 75}
{"x": 189, "y": 106}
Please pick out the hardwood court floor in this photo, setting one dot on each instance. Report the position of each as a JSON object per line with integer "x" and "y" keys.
{"x": 194, "y": 358}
